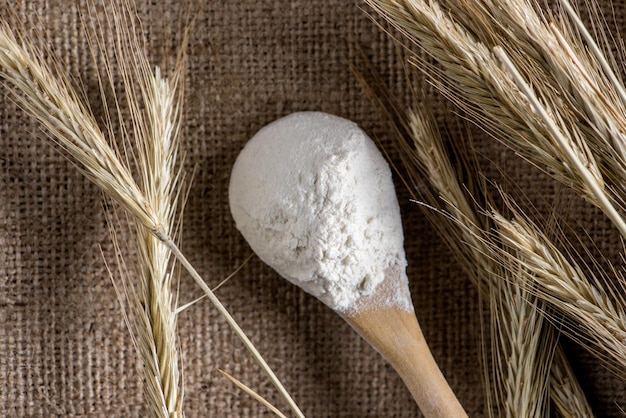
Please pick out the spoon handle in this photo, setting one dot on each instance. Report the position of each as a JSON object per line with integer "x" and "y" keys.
{"x": 397, "y": 336}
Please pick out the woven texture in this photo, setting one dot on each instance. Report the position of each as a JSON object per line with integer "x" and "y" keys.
{"x": 64, "y": 346}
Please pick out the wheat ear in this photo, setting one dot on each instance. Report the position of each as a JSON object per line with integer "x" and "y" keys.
{"x": 155, "y": 106}
{"x": 70, "y": 124}
{"x": 153, "y": 304}
{"x": 561, "y": 59}
{"x": 598, "y": 315}
{"x": 52, "y": 101}
{"x": 522, "y": 344}
{"x": 464, "y": 230}
{"x": 157, "y": 161}
{"x": 467, "y": 233}
{"x": 566, "y": 394}
{"x": 516, "y": 312}
{"x": 157, "y": 153}
{"x": 569, "y": 150}
{"x": 524, "y": 347}
{"x": 472, "y": 76}
{"x": 554, "y": 57}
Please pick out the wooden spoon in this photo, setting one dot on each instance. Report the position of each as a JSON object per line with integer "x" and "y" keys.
{"x": 395, "y": 333}
{"x": 293, "y": 207}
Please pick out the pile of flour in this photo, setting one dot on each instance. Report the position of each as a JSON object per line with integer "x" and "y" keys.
{"x": 314, "y": 198}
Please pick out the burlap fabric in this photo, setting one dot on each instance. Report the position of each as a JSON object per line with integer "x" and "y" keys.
{"x": 64, "y": 347}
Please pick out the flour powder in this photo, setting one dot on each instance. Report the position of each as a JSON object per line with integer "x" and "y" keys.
{"x": 314, "y": 198}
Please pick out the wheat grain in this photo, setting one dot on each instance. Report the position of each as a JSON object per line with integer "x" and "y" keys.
{"x": 566, "y": 59}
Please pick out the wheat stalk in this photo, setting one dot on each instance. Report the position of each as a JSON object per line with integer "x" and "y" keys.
{"x": 500, "y": 99}
{"x": 253, "y": 394}
{"x": 563, "y": 57}
{"x": 553, "y": 55}
{"x": 467, "y": 233}
{"x": 522, "y": 344}
{"x": 589, "y": 176}
{"x": 51, "y": 100}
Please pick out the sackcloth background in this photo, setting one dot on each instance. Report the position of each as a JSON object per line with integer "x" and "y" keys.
{"x": 64, "y": 347}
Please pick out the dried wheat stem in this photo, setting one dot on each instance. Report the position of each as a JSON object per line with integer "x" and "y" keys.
{"x": 597, "y": 53}
{"x": 231, "y": 321}
{"x": 604, "y": 101}
{"x": 581, "y": 92}
{"x": 253, "y": 394}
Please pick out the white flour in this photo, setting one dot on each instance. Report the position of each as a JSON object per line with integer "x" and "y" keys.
{"x": 314, "y": 198}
